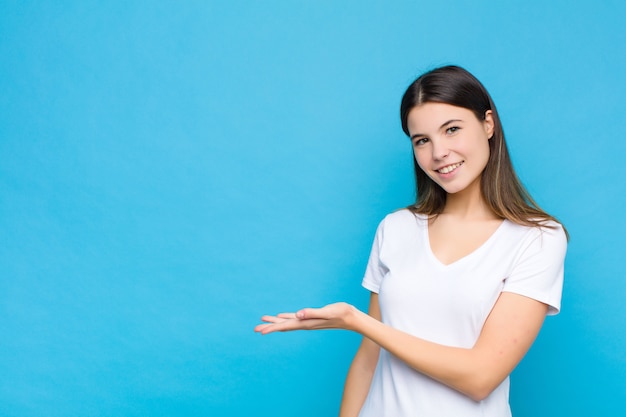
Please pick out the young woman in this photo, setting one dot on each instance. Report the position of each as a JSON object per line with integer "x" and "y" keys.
{"x": 461, "y": 281}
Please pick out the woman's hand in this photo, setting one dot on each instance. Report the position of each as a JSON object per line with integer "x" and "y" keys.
{"x": 332, "y": 316}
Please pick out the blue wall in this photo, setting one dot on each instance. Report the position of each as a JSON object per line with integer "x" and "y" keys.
{"x": 169, "y": 171}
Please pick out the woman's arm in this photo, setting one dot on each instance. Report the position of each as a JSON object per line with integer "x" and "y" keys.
{"x": 361, "y": 371}
{"x": 508, "y": 333}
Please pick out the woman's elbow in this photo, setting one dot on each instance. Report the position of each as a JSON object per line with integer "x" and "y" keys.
{"x": 482, "y": 387}
{"x": 479, "y": 394}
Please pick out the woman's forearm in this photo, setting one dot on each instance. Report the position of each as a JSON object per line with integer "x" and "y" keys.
{"x": 475, "y": 372}
{"x": 451, "y": 366}
{"x": 359, "y": 379}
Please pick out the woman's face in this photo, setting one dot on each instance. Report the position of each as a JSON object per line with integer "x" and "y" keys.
{"x": 450, "y": 144}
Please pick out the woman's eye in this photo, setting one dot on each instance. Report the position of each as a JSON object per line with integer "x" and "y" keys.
{"x": 452, "y": 129}
{"x": 420, "y": 141}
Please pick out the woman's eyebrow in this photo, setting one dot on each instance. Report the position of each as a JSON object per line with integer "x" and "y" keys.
{"x": 440, "y": 127}
{"x": 448, "y": 122}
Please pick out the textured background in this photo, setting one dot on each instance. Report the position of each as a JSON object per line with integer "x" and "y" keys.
{"x": 169, "y": 171}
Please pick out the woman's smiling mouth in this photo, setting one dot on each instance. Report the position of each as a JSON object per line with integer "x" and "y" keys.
{"x": 449, "y": 168}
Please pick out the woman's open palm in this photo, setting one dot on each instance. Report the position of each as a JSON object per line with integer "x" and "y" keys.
{"x": 332, "y": 316}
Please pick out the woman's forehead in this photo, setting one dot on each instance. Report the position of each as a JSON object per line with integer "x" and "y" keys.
{"x": 431, "y": 115}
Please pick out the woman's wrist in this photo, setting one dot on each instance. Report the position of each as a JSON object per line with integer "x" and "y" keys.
{"x": 356, "y": 319}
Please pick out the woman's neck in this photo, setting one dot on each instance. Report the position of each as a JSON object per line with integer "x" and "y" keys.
{"x": 468, "y": 204}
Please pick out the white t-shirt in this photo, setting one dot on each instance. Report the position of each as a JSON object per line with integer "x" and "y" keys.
{"x": 448, "y": 304}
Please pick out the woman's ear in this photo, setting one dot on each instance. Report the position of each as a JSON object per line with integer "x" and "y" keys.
{"x": 489, "y": 123}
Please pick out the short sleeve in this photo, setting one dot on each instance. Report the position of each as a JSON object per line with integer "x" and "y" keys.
{"x": 538, "y": 271}
{"x": 375, "y": 270}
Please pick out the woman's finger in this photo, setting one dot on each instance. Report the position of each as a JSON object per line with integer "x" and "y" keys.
{"x": 259, "y": 328}
{"x": 313, "y": 313}
{"x": 273, "y": 319}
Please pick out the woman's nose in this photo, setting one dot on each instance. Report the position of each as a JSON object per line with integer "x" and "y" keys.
{"x": 440, "y": 151}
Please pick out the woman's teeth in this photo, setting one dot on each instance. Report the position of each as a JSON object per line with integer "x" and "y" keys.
{"x": 449, "y": 168}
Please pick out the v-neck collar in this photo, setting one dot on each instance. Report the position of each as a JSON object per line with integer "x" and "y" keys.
{"x": 425, "y": 234}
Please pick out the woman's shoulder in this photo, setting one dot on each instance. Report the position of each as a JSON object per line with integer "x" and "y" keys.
{"x": 548, "y": 230}
{"x": 400, "y": 227}
{"x": 403, "y": 216}
{"x": 401, "y": 223}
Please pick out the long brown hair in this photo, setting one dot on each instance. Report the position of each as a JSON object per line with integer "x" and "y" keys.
{"x": 500, "y": 187}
